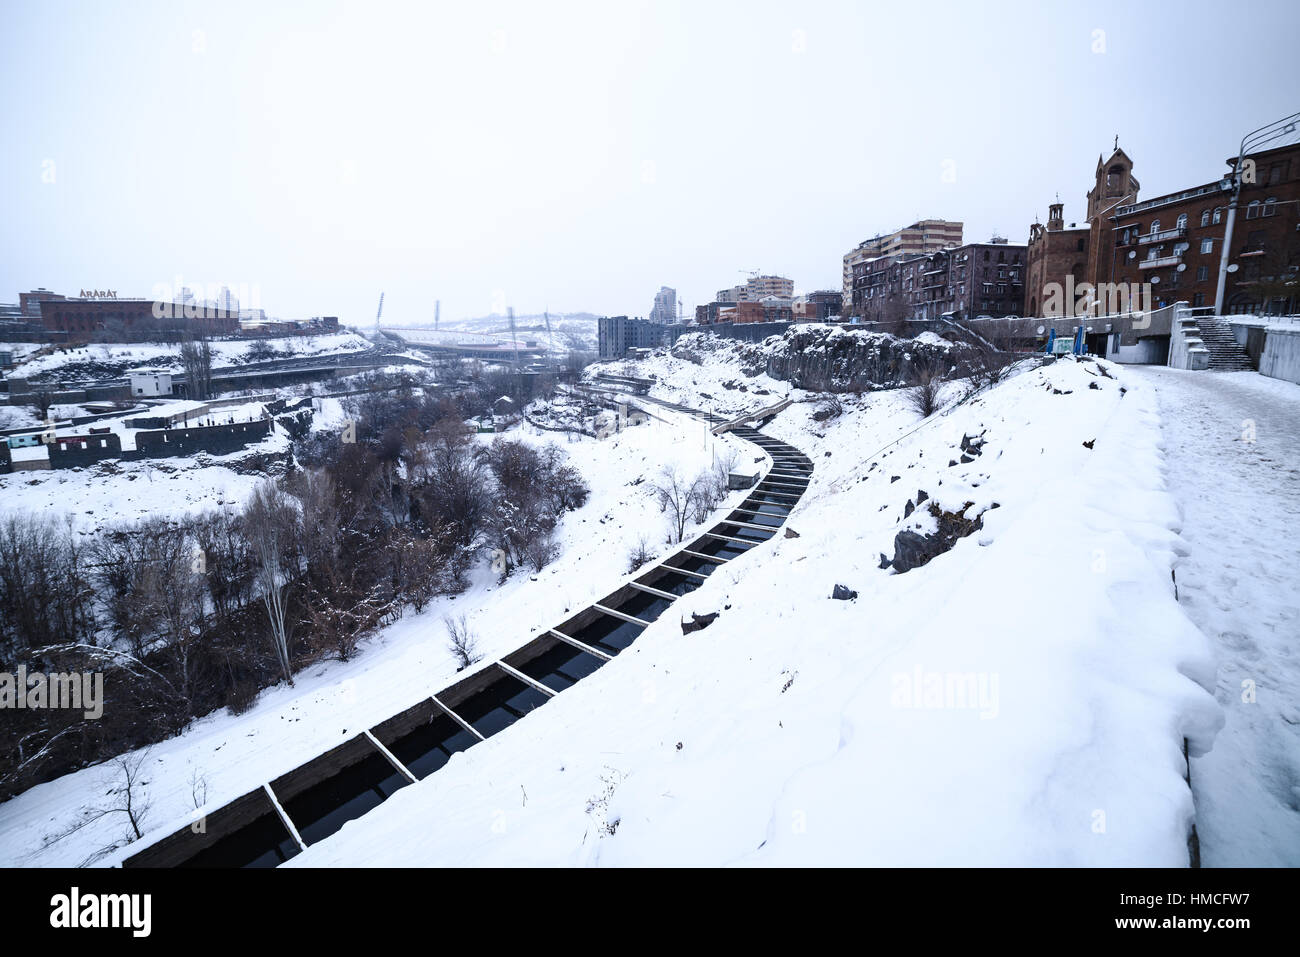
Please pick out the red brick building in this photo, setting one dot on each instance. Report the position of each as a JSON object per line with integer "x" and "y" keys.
{"x": 84, "y": 317}
{"x": 977, "y": 279}
{"x": 1174, "y": 242}
{"x": 1170, "y": 245}
{"x": 1054, "y": 254}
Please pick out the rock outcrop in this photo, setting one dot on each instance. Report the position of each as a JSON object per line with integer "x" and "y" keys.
{"x": 824, "y": 358}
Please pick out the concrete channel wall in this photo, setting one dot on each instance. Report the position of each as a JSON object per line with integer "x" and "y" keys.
{"x": 306, "y": 804}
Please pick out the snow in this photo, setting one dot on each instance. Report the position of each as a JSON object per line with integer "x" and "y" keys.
{"x": 795, "y": 730}
{"x": 778, "y": 735}
{"x": 333, "y": 701}
{"x": 225, "y": 353}
{"x": 1240, "y": 502}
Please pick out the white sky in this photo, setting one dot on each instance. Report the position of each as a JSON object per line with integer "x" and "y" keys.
{"x": 578, "y": 156}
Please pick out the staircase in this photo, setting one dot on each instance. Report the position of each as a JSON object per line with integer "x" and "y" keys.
{"x": 1225, "y": 354}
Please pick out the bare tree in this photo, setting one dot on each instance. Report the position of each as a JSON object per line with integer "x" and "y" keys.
{"x": 675, "y": 497}
{"x": 271, "y": 523}
{"x": 461, "y": 642}
{"x": 196, "y": 359}
{"x": 639, "y": 556}
{"x": 923, "y": 393}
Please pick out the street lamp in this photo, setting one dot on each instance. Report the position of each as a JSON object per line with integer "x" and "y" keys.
{"x": 1249, "y": 143}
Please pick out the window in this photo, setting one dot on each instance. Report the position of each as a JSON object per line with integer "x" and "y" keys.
{"x": 986, "y": 255}
{"x": 1198, "y": 299}
{"x": 1252, "y": 211}
{"x": 1202, "y": 273}
{"x": 1218, "y": 214}
{"x": 1180, "y": 248}
{"x": 1079, "y": 245}
{"x": 1205, "y": 217}
{"x": 1207, "y": 246}
{"x": 1182, "y": 221}
{"x": 1270, "y": 206}
{"x": 1155, "y": 226}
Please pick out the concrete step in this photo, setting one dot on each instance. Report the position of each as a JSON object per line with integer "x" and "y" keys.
{"x": 1225, "y": 353}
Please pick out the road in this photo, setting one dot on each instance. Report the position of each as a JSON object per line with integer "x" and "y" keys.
{"x": 1232, "y": 445}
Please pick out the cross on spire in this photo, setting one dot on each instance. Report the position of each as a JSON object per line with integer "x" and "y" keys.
{"x": 1116, "y": 141}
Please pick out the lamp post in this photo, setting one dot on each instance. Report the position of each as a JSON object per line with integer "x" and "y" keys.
{"x": 1249, "y": 143}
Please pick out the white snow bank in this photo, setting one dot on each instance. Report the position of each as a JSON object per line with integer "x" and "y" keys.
{"x": 800, "y": 730}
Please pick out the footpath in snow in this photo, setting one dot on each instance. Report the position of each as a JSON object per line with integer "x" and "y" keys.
{"x": 1232, "y": 447}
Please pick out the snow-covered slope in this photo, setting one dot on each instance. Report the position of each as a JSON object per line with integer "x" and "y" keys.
{"x": 801, "y": 730}
{"x": 1021, "y": 699}
{"x": 397, "y": 668}
{"x": 107, "y": 360}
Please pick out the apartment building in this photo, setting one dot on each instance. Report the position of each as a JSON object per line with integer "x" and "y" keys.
{"x": 757, "y": 288}
{"x": 965, "y": 282}
{"x": 925, "y": 236}
{"x": 1170, "y": 246}
{"x": 1175, "y": 242}
{"x": 665, "y": 305}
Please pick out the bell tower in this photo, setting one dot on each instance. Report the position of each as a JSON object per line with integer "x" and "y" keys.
{"x": 1056, "y": 217}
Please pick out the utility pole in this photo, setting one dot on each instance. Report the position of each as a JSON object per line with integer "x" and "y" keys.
{"x": 437, "y": 310}
{"x": 1251, "y": 142}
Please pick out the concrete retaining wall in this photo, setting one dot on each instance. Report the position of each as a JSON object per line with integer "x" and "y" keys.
{"x": 1281, "y": 356}
{"x": 68, "y": 455}
{"x": 1186, "y": 349}
{"x": 217, "y": 439}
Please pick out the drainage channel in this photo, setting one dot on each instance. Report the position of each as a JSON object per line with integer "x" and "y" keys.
{"x": 268, "y": 826}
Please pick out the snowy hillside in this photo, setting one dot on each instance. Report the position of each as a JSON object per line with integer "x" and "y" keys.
{"x": 801, "y": 730}
{"x": 331, "y": 701}
{"x": 1022, "y": 699}
{"x": 108, "y": 360}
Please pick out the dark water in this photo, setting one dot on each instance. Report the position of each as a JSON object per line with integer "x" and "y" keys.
{"x": 642, "y": 605}
{"x": 427, "y": 748}
{"x": 561, "y": 667}
{"x": 767, "y": 498}
{"x": 772, "y": 520}
{"x": 264, "y": 842}
{"x": 676, "y": 584}
{"x": 609, "y": 634}
{"x": 727, "y": 550}
{"x": 749, "y": 534}
{"x": 326, "y": 806}
{"x": 500, "y": 705}
{"x": 701, "y": 566}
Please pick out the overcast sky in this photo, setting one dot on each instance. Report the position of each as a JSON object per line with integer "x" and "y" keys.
{"x": 576, "y": 156}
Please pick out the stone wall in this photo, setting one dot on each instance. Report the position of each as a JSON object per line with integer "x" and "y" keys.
{"x": 822, "y": 358}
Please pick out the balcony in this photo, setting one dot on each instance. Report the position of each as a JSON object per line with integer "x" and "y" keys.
{"x": 1159, "y": 262}
{"x": 1178, "y": 232}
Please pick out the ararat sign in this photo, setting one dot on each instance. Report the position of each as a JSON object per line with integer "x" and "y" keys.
{"x": 98, "y": 294}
